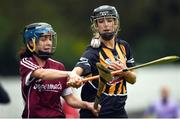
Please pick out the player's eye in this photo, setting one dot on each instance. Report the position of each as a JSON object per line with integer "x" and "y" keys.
{"x": 100, "y": 20}
{"x": 109, "y": 19}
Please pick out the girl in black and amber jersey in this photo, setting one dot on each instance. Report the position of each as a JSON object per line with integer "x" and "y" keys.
{"x": 114, "y": 54}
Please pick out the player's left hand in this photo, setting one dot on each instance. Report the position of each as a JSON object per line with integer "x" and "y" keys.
{"x": 117, "y": 65}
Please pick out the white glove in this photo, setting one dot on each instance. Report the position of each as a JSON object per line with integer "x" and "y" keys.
{"x": 95, "y": 43}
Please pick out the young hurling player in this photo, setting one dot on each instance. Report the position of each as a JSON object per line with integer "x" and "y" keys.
{"x": 44, "y": 79}
{"x": 112, "y": 52}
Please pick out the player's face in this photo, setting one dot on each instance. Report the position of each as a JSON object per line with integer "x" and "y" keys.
{"x": 105, "y": 24}
{"x": 45, "y": 43}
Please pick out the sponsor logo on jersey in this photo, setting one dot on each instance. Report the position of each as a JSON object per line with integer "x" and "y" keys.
{"x": 48, "y": 87}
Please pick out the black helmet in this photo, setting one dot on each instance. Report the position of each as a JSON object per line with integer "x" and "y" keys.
{"x": 104, "y": 11}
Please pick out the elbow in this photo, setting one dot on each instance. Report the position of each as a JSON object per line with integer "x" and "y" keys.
{"x": 133, "y": 81}
{"x": 131, "y": 78}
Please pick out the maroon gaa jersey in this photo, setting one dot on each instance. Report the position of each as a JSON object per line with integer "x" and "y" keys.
{"x": 42, "y": 97}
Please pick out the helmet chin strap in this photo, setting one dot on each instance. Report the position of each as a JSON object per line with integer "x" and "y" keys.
{"x": 43, "y": 55}
{"x": 107, "y": 36}
{"x": 33, "y": 47}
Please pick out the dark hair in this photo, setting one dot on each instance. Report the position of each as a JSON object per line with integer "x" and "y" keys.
{"x": 24, "y": 52}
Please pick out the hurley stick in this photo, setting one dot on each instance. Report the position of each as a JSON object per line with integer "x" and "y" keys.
{"x": 105, "y": 76}
{"x": 163, "y": 60}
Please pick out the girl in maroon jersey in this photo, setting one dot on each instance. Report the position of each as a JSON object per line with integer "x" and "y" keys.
{"x": 44, "y": 79}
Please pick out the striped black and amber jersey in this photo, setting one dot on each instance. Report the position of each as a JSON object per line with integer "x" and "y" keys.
{"x": 105, "y": 56}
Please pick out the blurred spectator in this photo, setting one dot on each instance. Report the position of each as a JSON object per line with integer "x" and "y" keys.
{"x": 178, "y": 113}
{"x": 164, "y": 107}
{"x": 4, "y": 97}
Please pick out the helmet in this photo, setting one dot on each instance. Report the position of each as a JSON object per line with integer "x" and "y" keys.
{"x": 105, "y": 11}
{"x": 33, "y": 32}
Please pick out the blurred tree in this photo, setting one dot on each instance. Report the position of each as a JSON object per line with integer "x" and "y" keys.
{"x": 150, "y": 26}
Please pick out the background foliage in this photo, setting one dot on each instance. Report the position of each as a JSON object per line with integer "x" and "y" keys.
{"x": 150, "y": 26}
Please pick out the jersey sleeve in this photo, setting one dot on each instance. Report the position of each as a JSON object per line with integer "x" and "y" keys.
{"x": 67, "y": 91}
{"x": 129, "y": 55}
{"x": 26, "y": 68}
{"x": 87, "y": 60}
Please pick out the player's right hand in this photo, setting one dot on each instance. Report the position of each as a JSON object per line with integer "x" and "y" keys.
{"x": 74, "y": 80}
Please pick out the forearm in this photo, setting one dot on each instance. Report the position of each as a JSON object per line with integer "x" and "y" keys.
{"x": 49, "y": 74}
{"x": 130, "y": 77}
{"x": 75, "y": 102}
{"x": 77, "y": 70}
{"x": 79, "y": 104}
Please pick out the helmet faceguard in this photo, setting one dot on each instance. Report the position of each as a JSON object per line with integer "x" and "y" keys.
{"x": 105, "y": 11}
{"x": 33, "y": 32}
